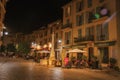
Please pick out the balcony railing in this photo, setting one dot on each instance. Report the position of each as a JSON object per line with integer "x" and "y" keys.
{"x": 67, "y": 42}
{"x": 83, "y": 39}
{"x": 68, "y": 25}
{"x": 90, "y": 38}
{"x": 101, "y": 38}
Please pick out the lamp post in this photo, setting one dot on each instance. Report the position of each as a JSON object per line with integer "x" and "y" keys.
{"x": 52, "y": 53}
{"x": 4, "y": 33}
{"x": 59, "y": 41}
{"x": 61, "y": 54}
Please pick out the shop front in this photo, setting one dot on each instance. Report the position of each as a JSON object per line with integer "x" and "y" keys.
{"x": 105, "y": 51}
{"x": 42, "y": 56}
{"x": 58, "y": 58}
{"x": 99, "y": 52}
{"x": 73, "y": 54}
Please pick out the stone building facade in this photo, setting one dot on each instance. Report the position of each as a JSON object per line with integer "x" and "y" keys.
{"x": 93, "y": 26}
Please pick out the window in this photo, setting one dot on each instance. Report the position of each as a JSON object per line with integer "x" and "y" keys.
{"x": 56, "y": 35}
{"x": 79, "y": 6}
{"x": 97, "y": 9}
{"x": 79, "y": 20}
{"x": 67, "y": 21}
{"x": 101, "y": 1}
{"x": 79, "y": 33}
{"x": 45, "y": 33}
{"x": 41, "y": 42}
{"x": 68, "y": 11}
{"x": 67, "y": 37}
{"x": 67, "y": 24}
{"x": 89, "y": 3}
{"x": 45, "y": 41}
{"x": 1, "y": 0}
{"x": 105, "y": 26}
{"x": 89, "y": 17}
{"x": 90, "y": 33}
{"x": 57, "y": 27}
{"x": 49, "y": 39}
{"x": 102, "y": 32}
{"x": 51, "y": 30}
{"x": 100, "y": 11}
{"x": 41, "y": 35}
{"x": 104, "y": 52}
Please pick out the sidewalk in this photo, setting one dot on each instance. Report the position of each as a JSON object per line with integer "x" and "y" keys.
{"x": 12, "y": 59}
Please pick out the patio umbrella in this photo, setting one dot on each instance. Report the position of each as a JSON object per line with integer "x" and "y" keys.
{"x": 44, "y": 51}
{"x": 76, "y": 50}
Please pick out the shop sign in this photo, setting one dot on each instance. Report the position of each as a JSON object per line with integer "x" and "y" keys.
{"x": 105, "y": 44}
{"x": 79, "y": 46}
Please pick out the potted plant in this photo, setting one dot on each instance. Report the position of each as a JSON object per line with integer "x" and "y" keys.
{"x": 95, "y": 62}
{"x": 112, "y": 62}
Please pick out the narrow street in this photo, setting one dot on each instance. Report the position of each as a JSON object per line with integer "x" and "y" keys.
{"x": 19, "y": 69}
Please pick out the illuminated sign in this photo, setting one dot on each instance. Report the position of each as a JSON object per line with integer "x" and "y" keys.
{"x": 104, "y": 12}
{"x": 105, "y": 43}
{"x": 97, "y": 16}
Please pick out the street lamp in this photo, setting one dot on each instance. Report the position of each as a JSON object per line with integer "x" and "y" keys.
{"x": 38, "y": 47}
{"x": 45, "y": 46}
{"x": 59, "y": 41}
{"x": 52, "y": 53}
{"x": 5, "y": 33}
{"x": 61, "y": 54}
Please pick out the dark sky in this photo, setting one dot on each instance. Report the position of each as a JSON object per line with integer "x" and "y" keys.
{"x": 28, "y": 15}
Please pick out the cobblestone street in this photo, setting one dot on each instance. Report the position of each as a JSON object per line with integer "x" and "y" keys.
{"x": 19, "y": 69}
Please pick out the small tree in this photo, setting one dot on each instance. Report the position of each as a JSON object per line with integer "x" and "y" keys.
{"x": 24, "y": 48}
{"x": 11, "y": 48}
{"x": 84, "y": 57}
{"x": 2, "y": 48}
{"x": 113, "y": 62}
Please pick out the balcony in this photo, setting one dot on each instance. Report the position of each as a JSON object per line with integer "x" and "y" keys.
{"x": 68, "y": 25}
{"x": 84, "y": 39}
{"x": 90, "y": 38}
{"x": 101, "y": 38}
{"x": 67, "y": 42}
{"x": 100, "y": 19}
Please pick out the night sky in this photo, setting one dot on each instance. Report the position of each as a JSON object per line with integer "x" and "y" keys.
{"x": 28, "y": 15}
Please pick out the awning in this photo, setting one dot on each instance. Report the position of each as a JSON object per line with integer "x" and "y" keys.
{"x": 76, "y": 50}
{"x": 44, "y": 51}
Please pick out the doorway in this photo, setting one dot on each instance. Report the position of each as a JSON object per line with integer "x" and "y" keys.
{"x": 90, "y": 53}
{"x": 104, "y": 52}
{"x": 79, "y": 56}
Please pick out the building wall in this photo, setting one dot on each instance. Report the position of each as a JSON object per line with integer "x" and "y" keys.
{"x": 69, "y": 25}
{"x": 111, "y": 19}
{"x": 2, "y": 14}
{"x": 43, "y": 36}
{"x": 118, "y": 30}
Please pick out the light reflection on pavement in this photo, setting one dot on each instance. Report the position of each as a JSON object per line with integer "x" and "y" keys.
{"x": 27, "y": 70}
